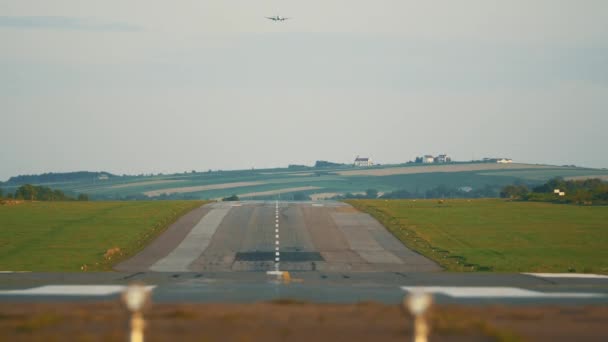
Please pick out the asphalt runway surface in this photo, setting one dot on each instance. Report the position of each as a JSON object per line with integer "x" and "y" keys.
{"x": 249, "y": 236}
{"x": 314, "y": 251}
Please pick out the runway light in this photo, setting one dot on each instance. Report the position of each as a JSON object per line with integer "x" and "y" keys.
{"x": 135, "y": 298}
{"x": 418, "y": 304}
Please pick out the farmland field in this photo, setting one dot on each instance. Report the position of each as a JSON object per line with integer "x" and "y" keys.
{"x": 308, "y": 181}
{"x": 496, "y": 235}
{"x": 64, "y": 236}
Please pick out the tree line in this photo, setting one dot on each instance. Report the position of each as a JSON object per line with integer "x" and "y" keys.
{"x": 588, "y": 191}
{"x": 57, "y": 177}
{"x": 41, "y": 193}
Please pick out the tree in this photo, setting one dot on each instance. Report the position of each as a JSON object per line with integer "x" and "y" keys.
{"x": 83, "y": 197}
{"x": 230, "y": 198}
{"x": 514, "y": 191}
{"x": 582, "y": 196}
{"x": 40, "y": 193}
{"x": 26, "y": 192}
{"x": 300, "y": 196}
{"x": 418, "y": 160}
{"x": 399, "y": 194}
{"x": 371, "y": 193}
{"x": 1, "y": 193}
{"x": 324, "y": 163}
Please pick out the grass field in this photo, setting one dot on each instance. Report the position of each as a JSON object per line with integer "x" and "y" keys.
{"x": 496, "y": 235}
{"x": 64, "y": 236}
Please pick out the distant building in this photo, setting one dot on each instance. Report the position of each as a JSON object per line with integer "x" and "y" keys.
{"x": 442, "y": 158}
{"x": 504, "y": 161}
{"x": 428, "y": 159}
{"x": 103, "y": 177}
{"x": 363, "y": 162}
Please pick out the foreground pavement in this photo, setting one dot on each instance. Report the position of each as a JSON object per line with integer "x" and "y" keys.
{"x": 322, "y": 287}
{"x": 313, "y": 251}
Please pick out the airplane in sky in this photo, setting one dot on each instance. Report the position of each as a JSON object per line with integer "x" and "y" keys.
{"x": 277, "y": 18}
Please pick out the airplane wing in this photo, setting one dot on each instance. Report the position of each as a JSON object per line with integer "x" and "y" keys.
{"x": 271, "y": 18}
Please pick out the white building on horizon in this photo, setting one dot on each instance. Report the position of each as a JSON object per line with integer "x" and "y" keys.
{"x": 428, "y": 159}
{"x": 443, "y": 158}
{"x": 363, "y": 162}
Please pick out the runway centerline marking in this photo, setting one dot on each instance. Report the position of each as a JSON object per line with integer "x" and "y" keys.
{"x": 277, "y": 259}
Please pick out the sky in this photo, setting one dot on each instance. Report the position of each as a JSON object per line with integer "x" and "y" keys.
{"x": 150, "y": 86}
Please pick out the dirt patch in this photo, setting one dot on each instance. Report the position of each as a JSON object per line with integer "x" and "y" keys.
{"x": 170, "y": 191}
{"x": 291, "y": 320}
{"x": 440, "y": 168}
{"x": 111, "y": 252}
{"x": 10, "y": 202}
{"x": 279, "y": 191}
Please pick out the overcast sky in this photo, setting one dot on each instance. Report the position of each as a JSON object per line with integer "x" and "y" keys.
{"x": 158, "y": 86}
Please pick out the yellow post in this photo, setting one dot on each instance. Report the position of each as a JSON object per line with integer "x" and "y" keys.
{"x": 135, "y": 297}
{"x": 286, "y": 277}
{"x": 418, "y": 304}
{"x": 421, "y": 329}
{"x": 137, "y": 327}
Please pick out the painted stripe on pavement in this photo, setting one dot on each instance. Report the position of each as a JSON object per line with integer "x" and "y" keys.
{"x": 568, "y": 275}
{"x": 193, "y": 245}
{"x": 70, "y": 290}
{"x": 495, "y": 292}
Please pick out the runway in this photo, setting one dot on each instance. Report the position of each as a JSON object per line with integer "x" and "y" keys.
{"x": 293, "y": 236}
{"x": 314, "y": 251}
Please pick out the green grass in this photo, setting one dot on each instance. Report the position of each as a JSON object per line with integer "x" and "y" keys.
{"x": 496, "y": 235}
{"x": 63, "y": 236}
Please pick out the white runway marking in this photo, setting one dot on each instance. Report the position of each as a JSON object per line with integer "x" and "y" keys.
{"x": 193, "y": 245}
{"x": 70, "y": 290}
{"x": 277, "y": 259}
{"x": 495, "y": 292}
{"x": 568, "y": 275}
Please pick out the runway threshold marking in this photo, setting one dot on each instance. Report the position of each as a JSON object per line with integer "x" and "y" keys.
{"x": 70, "y": 290}
{"x": 495, "y": 292}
